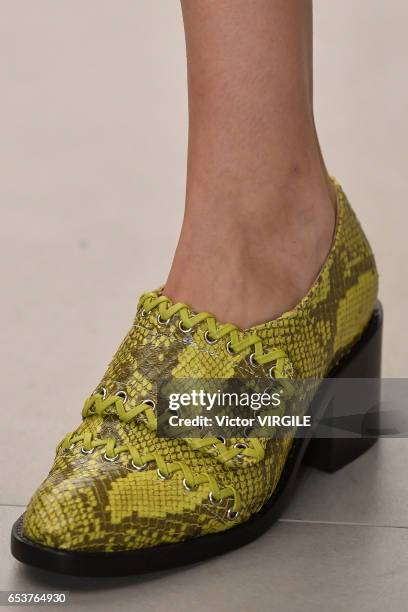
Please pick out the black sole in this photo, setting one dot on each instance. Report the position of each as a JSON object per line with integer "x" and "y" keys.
{"x": 363, "y": 361}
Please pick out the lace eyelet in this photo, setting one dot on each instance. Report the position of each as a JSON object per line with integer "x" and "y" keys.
{"x": 188, "y": 487}
{"x": 221, "y": 439}
{"x": 87, "y": 452}
{"x": 232, "y": 514}
{"x": 252, "y": 360}
{"x": 110, "y": 459}
{"x": 71, "y": 447}
{"x": 151, "y": 403}
{"x": 208, "y": 339}
{"x": 123, "y": 395}
{"x": 162, "y": 321}
{"x": 139, "y": 468}
{"x": 102, "y": 391}
{"x": 239, "y": 457}
{"x": 230, "y": 350}
{"x": 214, "y": 502}
{"x": 163, "y": 476}
{"x": 184, "y": 330}
{"x": 271, "y": 372}
{"x": 240, "y": 445}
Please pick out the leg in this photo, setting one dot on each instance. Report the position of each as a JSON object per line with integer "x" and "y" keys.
{"x": 260, "y": 212}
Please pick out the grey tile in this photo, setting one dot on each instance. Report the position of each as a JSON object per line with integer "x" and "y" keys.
{"x": 78, "y": 248}
{"x": 293, "y": 568}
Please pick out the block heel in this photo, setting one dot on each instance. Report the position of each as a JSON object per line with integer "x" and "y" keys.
{"x": 353, "y": 407}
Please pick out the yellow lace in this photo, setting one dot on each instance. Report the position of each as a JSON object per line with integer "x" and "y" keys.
{"x": 98, "y": 404}
{"x": 239, "y": 342}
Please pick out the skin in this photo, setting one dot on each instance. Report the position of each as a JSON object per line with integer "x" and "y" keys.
{"x": 260, "y": 208}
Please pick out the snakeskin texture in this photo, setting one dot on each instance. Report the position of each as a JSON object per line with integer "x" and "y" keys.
{"x": 88, "y": 503}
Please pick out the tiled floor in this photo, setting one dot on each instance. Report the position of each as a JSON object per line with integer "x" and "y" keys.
{"x": 92, "y": 164}
{"x": 295, "y": 567}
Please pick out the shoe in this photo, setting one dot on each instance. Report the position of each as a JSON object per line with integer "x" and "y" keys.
{"x": 120, "y": 500}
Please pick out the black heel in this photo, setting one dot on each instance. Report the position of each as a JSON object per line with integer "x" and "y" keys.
{"x": 361, "y": 416}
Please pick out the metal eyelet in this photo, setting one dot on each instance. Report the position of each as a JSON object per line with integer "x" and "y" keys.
{"x": 221, "y": 439}
{"x": 151, "y": 403}
{"x": 232, "y": 514}
{"x": 189, "y": 487}
{"x": 184, "y": 330}
{"x": 102, "y": 391}
{"x": 163, "y": 476}
{"x": 123, "y": 395}
{"x": 271, "y": 372}
{"x": 229, "y": 349}
{"x": 240, "y": 456}
{"x": 87, "y": 452}
{"x": 139, "y": 468}
{"x": 110, "y": 459}
{"x": 214, "y": 502}
{"x": 162, "y": 321}
{"x": 252, "y": 360}
{"x": 208, "y": 339}
{"x": 243, "y": 446}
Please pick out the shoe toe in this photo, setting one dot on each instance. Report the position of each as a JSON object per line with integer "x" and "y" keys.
{"x": 116, "y": 510}
{"x": 62, "y": 516}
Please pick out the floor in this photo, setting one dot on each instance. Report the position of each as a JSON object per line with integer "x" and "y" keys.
{"x": 93, "y": 129}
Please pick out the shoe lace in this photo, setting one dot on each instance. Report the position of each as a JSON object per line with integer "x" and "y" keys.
{"x": 239, "y": 342}
{"x": 100, "y": 404}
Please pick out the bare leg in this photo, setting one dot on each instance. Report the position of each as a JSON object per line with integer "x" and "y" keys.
{"x": 260, "y": 211}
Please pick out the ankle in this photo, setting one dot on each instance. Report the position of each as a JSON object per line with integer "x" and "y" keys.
{"x": 247, "y": 257}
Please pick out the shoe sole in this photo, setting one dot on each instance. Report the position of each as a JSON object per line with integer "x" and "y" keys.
{"x": 363, "y": 361}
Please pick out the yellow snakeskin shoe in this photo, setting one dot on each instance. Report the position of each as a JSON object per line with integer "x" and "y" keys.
{"x": 121, "y": 500}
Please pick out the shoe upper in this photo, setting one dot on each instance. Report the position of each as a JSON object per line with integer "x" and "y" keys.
{"x": 115, "y": 485}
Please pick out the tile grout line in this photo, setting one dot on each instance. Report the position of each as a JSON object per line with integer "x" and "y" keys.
{"x": 12, "y": 505}
{"x": 342, "y": 523}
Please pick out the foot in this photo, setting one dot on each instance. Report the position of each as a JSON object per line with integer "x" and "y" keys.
{"x": 247, "y": 257}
